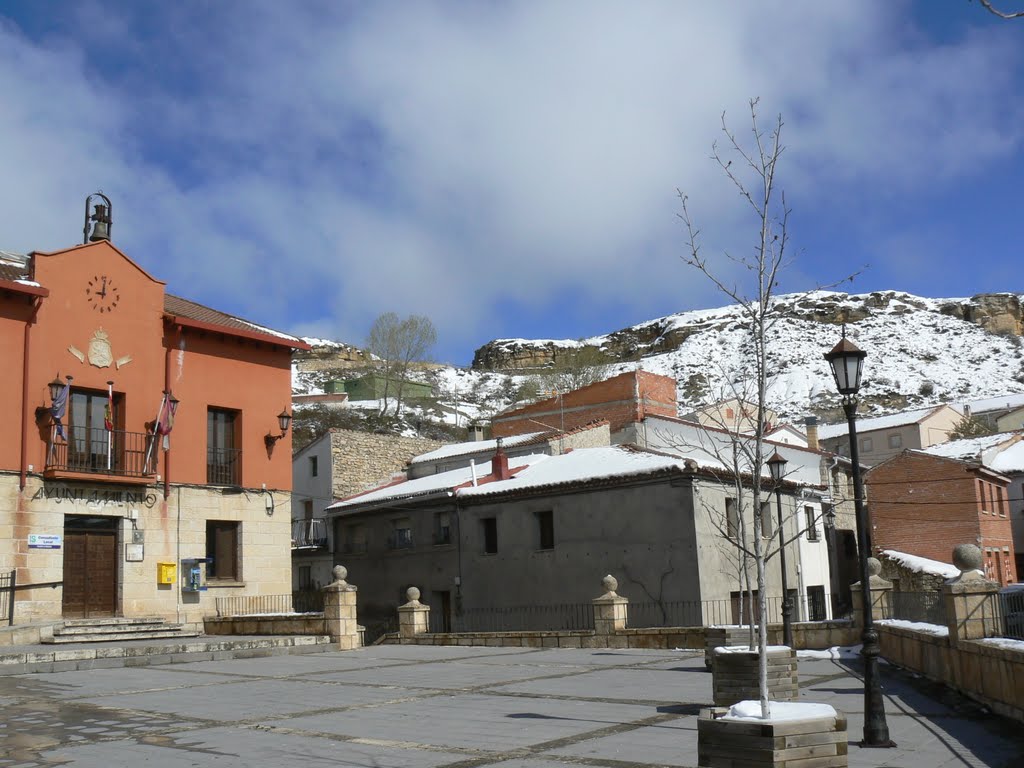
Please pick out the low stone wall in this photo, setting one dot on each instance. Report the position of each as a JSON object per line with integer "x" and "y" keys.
{"x": 984, "y": 672}
{"x": 285, "y": 624}
{"x": 818, "y": 635}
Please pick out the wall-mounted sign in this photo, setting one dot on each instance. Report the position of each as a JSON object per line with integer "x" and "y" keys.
{"x": 134, "y": 553}
{"x": 44, "y": 541}
{"x": 96, "y": 496}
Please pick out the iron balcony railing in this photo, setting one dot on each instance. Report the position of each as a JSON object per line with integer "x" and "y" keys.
{"x": 309, "y": 534}
{"x": 102, "y": 451}
{"x": 223, "y": 466}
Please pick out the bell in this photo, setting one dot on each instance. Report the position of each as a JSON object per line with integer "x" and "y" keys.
{"x": 101, "y": 230}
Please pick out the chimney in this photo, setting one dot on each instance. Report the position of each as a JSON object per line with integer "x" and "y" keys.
{"x": 499, "y": 464}
{"x": 811, "y": 427}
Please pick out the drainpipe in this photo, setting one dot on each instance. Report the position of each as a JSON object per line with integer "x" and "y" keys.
{"x": 167, "y": 388}
{"x": 23, "y": 475}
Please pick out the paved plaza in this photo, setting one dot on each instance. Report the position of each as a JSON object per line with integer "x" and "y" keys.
{"x": 424, "y": 706}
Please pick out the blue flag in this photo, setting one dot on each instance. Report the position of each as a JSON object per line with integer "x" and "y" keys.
{"x": 60, "y": 405}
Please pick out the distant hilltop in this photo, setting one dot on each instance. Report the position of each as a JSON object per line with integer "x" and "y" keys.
{"x": 920, "y": 351}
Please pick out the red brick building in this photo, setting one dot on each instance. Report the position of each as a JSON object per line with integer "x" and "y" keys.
{"x": 621, "y": 400}
{"x": 925, "y": 505}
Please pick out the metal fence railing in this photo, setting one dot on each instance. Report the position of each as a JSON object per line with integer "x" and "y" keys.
{"x": 256, "y": 605}
{"x": 925, "y": 607}
{"x": 701, "y": 613}
{"x": 8, "y": 582}
{"x": 1012, "y": 609}
{"x": 520, "y": 618}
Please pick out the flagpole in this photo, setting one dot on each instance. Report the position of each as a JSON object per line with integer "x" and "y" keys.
{"x": 109, "y": 421}
{"x": 156, "y": 431}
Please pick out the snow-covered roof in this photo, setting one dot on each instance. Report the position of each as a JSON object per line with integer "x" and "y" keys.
{"x": 537, "y": 471}
{"x": 1009, "y": 459}
{"x": 1002, "y": 452}
{"x": 922, "y": 564}
{"x": 580, "y": 465}
{"x": 968, "y": 448}
{"x": 1000, "y": 402}
{"x": 474, "y": 446}
{"x": 425, "y": 486}
{"x": 901, "y": 419}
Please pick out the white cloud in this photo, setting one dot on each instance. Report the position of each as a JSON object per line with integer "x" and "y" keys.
{"x": 304, "y": 165}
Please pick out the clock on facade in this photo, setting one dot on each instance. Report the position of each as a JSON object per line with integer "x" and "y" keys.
{"x": 102, "y": 293}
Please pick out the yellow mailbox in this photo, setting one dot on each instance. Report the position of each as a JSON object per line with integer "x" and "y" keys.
{"x": 166, "y": 573}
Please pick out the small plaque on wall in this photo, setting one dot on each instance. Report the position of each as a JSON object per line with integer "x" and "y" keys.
{"x": 133, "y": 553}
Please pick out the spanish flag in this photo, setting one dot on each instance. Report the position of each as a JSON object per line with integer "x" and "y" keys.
{"x": 108, "y": 411}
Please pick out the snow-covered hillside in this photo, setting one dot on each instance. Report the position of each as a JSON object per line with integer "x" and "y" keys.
{"x": 920, "y": 352}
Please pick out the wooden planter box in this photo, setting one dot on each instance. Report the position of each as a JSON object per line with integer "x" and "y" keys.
{"x": 715, "y": 637}
{"x": 734, "y": 675}
{"x": 818, "y": 741}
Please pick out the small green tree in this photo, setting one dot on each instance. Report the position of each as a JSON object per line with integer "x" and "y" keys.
{"x": 970, "y": 426}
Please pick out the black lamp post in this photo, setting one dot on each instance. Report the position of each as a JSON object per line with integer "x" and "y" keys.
{"x": 847, "y": 361}
{"x": 777, "y": 466}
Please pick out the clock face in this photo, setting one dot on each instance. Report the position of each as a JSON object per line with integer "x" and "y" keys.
{"x": 102, "y": 293}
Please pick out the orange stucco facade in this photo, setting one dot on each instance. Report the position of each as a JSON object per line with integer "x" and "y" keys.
{"x": 91, "y": 313}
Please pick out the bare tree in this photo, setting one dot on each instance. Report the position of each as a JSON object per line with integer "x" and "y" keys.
{"x": 757, "y": 160}
{"x": 397, "y": 344}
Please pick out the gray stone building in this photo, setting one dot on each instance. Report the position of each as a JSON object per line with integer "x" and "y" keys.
{"x": 534, "y": 530}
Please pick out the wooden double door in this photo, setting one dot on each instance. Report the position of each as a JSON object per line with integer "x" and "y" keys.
{"x": 90, "y": 566}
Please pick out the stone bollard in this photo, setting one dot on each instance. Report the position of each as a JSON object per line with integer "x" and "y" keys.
{"x": 610, "y": 609}
{"x": 881, "y": 606}
{"x": 340, "y": 611}
{"x": 970, "y": 600}
{"x": 413, "y": 617}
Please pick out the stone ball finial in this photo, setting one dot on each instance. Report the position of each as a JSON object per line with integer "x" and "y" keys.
{"x": 874, "y": 567}
{"x": 610, "y": 584}
{"x": 413, "y": 594}
{"x": 340, "y": 572}
{"x": 967, "y": 557}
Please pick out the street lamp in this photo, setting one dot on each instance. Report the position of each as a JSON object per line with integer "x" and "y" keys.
{"x": 777, "y": 466}
{"x": 847, "y": 361}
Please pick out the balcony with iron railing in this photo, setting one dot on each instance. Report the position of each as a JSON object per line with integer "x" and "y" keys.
{"x": 309, "y": 534}
{"x": 98, "y": 451}
{"x": 224, "y": 466}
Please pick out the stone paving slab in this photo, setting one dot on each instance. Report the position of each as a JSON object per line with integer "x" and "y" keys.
{"x": 289, "y": 666}
{"x": 244, "y": 699}
{"x": 456, "y": 708}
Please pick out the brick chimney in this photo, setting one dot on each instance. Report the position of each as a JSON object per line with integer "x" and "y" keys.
{"x": 811, "y": 427}
{"x": 499, "y": 464}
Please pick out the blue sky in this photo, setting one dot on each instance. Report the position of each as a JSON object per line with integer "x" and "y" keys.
{"x": 509, "y": 169}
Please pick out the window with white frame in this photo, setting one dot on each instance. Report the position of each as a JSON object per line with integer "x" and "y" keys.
{"x": 811, "y": 523}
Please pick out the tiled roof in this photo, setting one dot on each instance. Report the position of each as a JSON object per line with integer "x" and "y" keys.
{"x": 190, "y": 310}
{"x": 13, "y": 266}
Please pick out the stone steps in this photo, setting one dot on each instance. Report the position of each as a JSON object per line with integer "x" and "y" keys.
{"x": 39, "y": 659}
{"x": 116, "y": 629}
